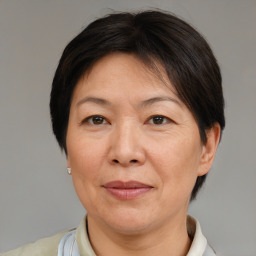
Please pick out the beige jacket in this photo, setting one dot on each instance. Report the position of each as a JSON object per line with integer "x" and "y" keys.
{"x": 49, "y": 246}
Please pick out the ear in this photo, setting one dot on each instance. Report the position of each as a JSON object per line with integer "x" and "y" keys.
{"x": 209, "y": 149}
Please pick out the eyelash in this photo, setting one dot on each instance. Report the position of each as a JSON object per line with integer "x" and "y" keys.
{"x": 90, "y": 120}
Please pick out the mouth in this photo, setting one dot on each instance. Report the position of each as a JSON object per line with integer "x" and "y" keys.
{"x": 127, "y": 190}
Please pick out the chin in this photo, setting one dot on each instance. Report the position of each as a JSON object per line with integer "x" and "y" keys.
{"x": 129, "y": 221}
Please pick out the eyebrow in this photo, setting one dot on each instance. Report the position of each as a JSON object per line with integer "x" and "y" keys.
{"x": 151, "y": 101}
{"x": 93, "y": 100}
{"x": 144, "y": 103}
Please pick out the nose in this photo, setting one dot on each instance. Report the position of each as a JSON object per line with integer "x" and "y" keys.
{"x": 126, "y": 145}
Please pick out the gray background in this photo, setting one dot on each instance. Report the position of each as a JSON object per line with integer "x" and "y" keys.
{"x": 37, "y": 198}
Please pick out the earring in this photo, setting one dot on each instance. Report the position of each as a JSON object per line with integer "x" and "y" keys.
{"x": 69, "y": 171}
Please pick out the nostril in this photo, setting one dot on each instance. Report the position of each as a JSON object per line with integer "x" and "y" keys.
{"x": 132, "y": 161}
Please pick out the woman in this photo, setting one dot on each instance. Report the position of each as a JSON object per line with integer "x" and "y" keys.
{"x": 137, "y": 106}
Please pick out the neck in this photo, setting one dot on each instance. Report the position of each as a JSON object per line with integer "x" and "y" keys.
{"x": 170, "y": 240}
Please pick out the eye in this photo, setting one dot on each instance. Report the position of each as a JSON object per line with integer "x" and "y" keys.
{"x": 158, "y": 120}
{"x": 95, "y": 120}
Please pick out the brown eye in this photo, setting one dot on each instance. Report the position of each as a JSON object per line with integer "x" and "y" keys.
{"x": 95, "y": 120}
{"x": 158, "y": 120}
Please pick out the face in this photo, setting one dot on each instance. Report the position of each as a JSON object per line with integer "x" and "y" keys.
{"x": 134, "y": 148}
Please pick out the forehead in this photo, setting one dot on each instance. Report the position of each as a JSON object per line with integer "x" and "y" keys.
{"x": 125, "y": 72}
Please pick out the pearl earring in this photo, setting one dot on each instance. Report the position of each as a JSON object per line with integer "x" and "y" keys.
{"x": 69, "y": 170}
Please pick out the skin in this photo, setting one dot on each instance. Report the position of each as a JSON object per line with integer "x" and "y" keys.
{"x": 124, "y": 142}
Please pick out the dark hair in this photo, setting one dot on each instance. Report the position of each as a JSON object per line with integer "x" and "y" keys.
{"x": 153, "y": 36}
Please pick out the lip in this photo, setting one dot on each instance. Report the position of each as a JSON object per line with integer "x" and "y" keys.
{"x": 127, "y": 190}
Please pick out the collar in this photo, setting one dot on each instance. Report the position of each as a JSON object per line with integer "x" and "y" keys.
{"x": 199, "y": 242}
{"x": 82, "y": 239}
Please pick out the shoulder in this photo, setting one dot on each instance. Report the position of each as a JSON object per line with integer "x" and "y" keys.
{"x": 43, "y": 247}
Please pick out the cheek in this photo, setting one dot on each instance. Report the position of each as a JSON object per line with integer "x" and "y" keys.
{"x": 177, "y": 162}
{"x": 85, "y": 157}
